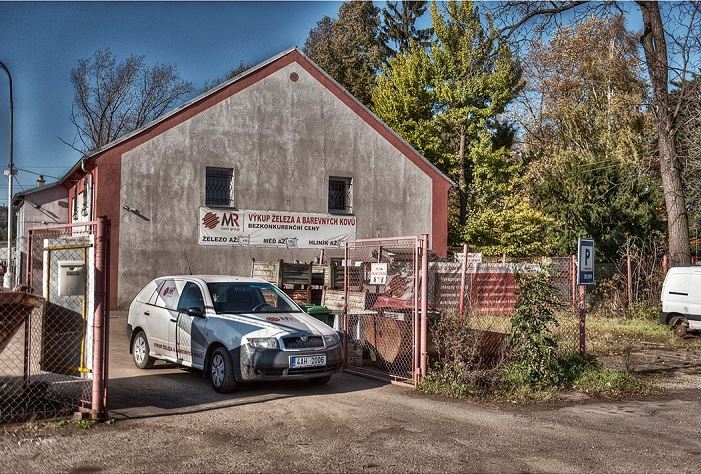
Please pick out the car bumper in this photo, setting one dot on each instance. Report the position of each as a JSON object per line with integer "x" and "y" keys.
{"x": 274, "y": 364}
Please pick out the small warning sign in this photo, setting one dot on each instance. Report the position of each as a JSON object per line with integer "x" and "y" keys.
{"x": 378, "y": 274}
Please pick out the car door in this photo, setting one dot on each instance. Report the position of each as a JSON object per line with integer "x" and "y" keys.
{"x": 187, "y": 334}
{"x": 162, "y": 317}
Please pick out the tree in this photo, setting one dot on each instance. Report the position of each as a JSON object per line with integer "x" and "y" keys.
{"x": 112, "y": 99}
{"x": 679, "y": 34}
{"x": 399, "y": 25}
{"x": 349, "y": 48}
{"x": 688, "y": 140}
{"x": 241, "y": 68}
{"x": 448, "y": 101}
{"x": 587, "y": 139}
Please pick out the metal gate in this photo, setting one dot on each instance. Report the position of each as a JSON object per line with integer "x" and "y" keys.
{"x": 385, "y": 322}
{"x": 53, "y": 358}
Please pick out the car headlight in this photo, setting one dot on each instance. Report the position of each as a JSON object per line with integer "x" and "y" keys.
{"x": 332, "y": 339}
{"x": 263, "y": 342}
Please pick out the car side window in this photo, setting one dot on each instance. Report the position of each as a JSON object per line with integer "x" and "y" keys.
{"x": 191, "y": 297}
{"x": 169, "y": 294}
{"x": 147, "y": 292}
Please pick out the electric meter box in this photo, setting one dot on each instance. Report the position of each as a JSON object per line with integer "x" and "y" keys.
{"x": 71, "y": 278}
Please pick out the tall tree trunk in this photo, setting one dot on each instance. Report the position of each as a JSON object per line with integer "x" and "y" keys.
{"x": 654, "y": 44}
{"x": 462, "y": 179}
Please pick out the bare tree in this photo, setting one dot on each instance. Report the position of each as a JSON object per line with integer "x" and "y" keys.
{"x": 114, "y": 98}
{"x": 670, "y": 48}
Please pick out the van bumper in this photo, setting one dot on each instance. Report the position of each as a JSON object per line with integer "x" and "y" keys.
{"x": 664, "y": 318}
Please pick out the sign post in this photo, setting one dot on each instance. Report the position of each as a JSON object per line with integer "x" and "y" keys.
{"x": 585, "y": 277}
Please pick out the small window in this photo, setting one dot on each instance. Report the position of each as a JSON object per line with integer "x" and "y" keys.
{"x": 191, "y": 298}
{"x": 74, "y": 207}
{"x": 84, "y": 204}
{"x": 219, "y": 187}
{"x": 340, "y": 195}
{"x": 169, "y": 294}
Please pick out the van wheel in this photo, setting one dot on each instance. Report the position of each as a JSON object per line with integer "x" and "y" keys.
{"x": 681, "y": 329}
{"x": 221, "y": 371}
{"x": 141, "y": 352}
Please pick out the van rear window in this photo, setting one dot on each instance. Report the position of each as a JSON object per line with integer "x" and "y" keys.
{"x": 679, "y": 284}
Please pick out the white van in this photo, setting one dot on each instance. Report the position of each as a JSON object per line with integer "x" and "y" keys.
{"x": 681, "y": 299}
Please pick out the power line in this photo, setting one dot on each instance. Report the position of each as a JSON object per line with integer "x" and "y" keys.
{"x": 37, "y": 174}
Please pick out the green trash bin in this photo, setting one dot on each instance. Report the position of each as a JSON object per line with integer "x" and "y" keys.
{"x": 322, "y": 313}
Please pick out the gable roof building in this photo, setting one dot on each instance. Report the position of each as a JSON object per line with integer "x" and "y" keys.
{"x": 281, "y": 137}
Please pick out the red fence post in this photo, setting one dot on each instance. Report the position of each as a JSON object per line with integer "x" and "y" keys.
{"x": 98, "y": 385}
{"x": 629, "y": 279}
{"x": 424, "y": 306}
{"x": 582, "y": 319}
{"x": 573, "y": 281}
{"x": 416, "y": 326}
{"x": 665, "y": 265}
{"x": 462, "y": 281}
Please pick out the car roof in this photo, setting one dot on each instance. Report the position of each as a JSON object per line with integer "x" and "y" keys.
{"x": 214, "y": 278}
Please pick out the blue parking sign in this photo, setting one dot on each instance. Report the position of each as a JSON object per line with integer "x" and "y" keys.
{"x": 585, "y": 262}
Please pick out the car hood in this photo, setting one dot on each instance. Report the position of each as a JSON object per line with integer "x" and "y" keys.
{"x": 278, "y": 323}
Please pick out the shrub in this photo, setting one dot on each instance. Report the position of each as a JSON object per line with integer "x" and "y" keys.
{"x": 532, "y": 346}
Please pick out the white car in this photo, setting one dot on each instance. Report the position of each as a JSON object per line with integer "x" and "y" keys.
{"x": 234, "y": 329}
{"x": 681, "y": 299}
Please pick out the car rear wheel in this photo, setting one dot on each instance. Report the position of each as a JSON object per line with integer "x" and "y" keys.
{"x": 141, "y": 352}
{"x": 221, "y": 371}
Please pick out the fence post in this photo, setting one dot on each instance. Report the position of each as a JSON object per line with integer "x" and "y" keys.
{"x": 582, "y": 319}
{"x": 424, "y": 306}
{"x": 665, "y": 265}
{"x": 417, "y": 322}
{"x": 462, "y": 281}
{"x": 99, "y": 338}
{"x": 346, "y": 254}
{"x": 573, "y": 281}
{"x": 629, "y": 279}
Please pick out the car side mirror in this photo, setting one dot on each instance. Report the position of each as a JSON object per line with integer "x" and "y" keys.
{"x": 195, "y": 311}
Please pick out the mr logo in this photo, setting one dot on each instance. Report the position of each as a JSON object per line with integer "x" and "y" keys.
{"x": 230, "y": 220}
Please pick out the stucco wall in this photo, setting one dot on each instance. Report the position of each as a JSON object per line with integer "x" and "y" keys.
{"x": 283, "y": 139}
{"x": 46, "y": 206}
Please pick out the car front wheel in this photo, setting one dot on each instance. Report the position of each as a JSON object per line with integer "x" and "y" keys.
{"x": 221, "y": 371}
{"x": 140, "y": 351}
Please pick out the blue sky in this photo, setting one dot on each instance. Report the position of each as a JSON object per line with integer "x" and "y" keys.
{"x": 41, "y": 42}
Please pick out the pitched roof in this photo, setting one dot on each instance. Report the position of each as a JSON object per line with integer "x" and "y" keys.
{"x": 311, "y": 67}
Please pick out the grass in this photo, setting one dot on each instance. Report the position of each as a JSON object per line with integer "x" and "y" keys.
{"x": 574, "y": 372}
{"x": 604, "y": 334}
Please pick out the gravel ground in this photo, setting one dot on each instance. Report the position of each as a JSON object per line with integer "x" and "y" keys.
{"x": 169, "y": 419}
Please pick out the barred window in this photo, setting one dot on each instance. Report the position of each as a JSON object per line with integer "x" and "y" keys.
{"x": 219, "y": 187}
{"x": 340, "y": 195}
{"x": 85, "y": 202}
{"x": 74, "y": 206}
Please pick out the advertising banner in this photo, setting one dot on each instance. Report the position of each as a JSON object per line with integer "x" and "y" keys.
{"x": 246, "y": 228}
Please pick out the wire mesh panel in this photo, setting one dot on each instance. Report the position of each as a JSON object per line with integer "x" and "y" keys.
{"x": 381, "y": 314}
{"x": 46, "y": 355}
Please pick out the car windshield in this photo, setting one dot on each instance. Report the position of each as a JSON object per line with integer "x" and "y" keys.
{"x": 231, "y": 297}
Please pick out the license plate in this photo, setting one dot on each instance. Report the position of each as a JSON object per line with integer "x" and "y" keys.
{"x": 307, "y": 361}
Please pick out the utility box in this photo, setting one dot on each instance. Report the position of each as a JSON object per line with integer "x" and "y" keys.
{"x": 71, "y": 278}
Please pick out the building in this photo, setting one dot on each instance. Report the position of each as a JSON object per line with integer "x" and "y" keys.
{"x": 277, "y": 163}
{"x": 37, "y": 207}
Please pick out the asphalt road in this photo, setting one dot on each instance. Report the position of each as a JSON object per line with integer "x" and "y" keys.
{"x": 169, "y": 419}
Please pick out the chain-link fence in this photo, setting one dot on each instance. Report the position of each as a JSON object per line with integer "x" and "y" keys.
{"x": 484, "y": 294}
{"x": 50, "y": 337}
{"x": 381, "y": 314}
